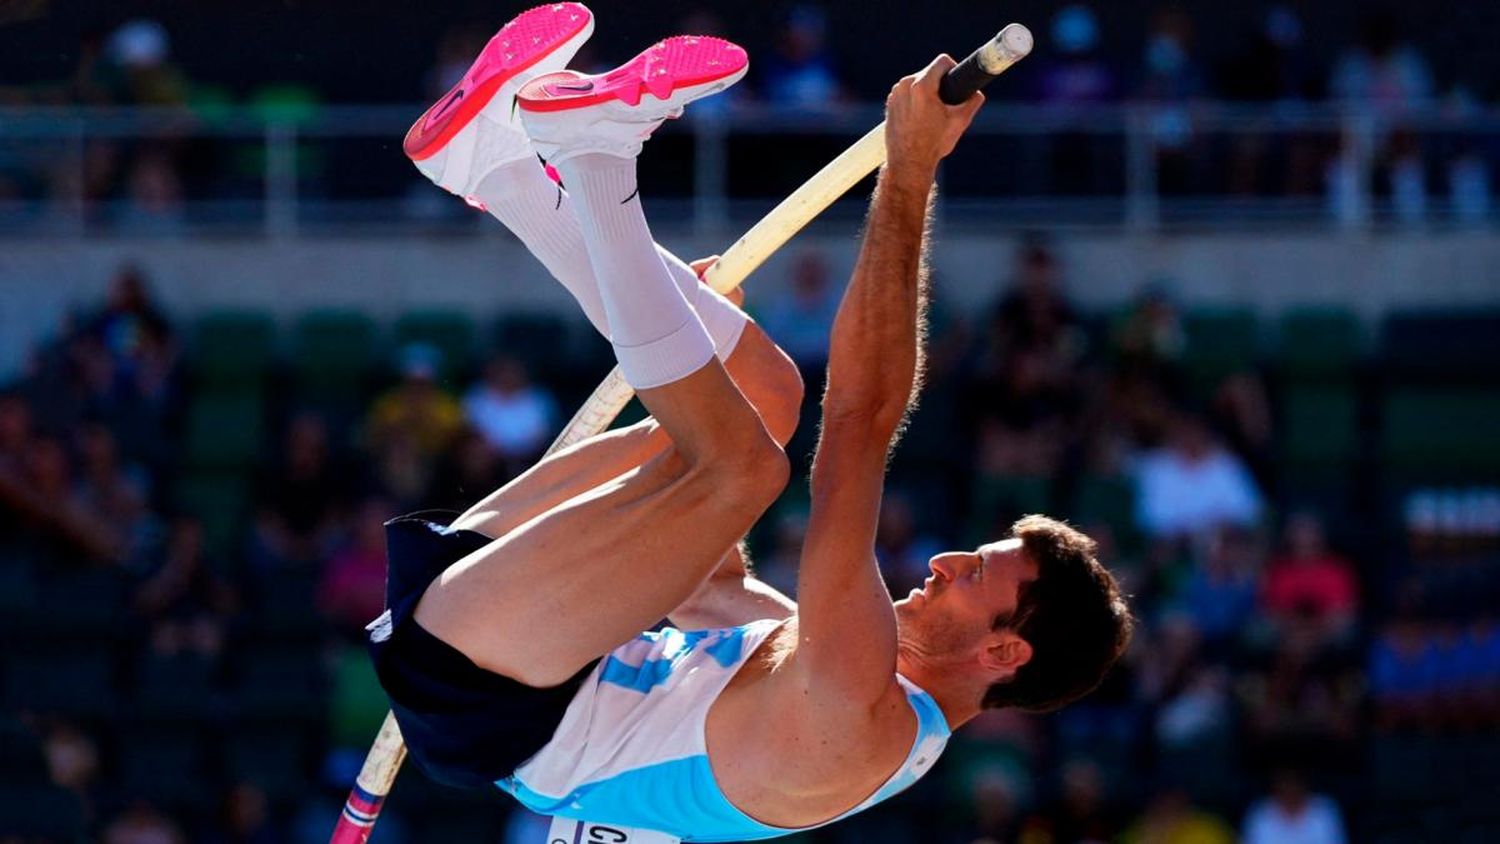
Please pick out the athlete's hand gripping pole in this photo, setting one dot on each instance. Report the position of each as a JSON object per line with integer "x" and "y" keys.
{"x": 1012, "y": 44}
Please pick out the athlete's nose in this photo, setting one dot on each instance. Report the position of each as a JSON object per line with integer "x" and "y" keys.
{"x": 945, "y": 566}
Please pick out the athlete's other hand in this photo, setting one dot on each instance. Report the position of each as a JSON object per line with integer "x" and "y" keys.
{"x": 920, "y": 129}
{"x": 701, "y": 267}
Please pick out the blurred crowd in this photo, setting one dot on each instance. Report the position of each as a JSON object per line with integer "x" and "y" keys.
{"x": 1293, "y": 649}
{"x": 1376, "y": 69}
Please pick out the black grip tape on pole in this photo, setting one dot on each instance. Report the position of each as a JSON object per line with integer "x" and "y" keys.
{"x": 964, "y": 80}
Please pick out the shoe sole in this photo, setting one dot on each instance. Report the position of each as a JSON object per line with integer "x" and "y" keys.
{"x": 667, "y": 67}
{"x": 518, "y": 46}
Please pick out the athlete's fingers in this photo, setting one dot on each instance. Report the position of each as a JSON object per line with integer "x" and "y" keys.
{"x": 700, "y": 267}
{"x": 932, "y": 75}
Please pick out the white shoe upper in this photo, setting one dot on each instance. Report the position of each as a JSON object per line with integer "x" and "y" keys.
{"x": 612, "y": 127}
{"x": 492, "y": 139}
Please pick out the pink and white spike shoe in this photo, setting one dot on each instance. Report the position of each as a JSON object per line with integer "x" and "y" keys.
{"x": 568, "y": 113}
{"x": 474, "y": 129}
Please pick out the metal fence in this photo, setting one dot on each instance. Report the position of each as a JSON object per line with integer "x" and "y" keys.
{"x": 1143, "y": 167}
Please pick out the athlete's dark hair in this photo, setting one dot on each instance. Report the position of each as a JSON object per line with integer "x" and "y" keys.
{"x": 1072, "y": 615}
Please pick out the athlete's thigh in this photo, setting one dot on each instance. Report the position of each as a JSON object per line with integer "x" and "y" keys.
{"x": 561, "y": 476}
{"x": 572, "y": 584}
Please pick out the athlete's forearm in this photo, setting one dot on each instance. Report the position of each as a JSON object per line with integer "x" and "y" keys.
{"x": 875, "y": 352}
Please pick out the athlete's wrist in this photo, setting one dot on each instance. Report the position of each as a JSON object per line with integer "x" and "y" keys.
{"x": 909, "y": 177}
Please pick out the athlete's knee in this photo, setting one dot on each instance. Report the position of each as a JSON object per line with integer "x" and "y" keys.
{"x": 749, "y": 469}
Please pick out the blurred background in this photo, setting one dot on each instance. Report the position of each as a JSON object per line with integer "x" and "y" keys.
{"x": 1216, "y": 282}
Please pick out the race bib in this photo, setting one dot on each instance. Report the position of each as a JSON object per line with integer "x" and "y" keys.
{"x": 568, "y": 831}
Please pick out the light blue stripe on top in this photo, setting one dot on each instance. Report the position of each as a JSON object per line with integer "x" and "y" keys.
{"x": 725, "y": 650}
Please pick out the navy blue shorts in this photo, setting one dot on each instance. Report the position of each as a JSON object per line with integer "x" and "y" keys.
{"x": 463, "y": 725}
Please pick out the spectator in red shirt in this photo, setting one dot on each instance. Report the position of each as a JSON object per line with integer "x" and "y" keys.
{"x": 1311, "y": 584}
{"x": 353, "y": 586}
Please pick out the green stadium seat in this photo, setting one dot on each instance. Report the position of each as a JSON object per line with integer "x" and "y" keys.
{"x": 285, "y": 103}
{"x": 225, "y": 431}
{"x": 21, "y": 759}
{"x": 37, "y": 812}
{"x": 1442, "y": 346}
{"x": 357, "y": 705}
{"x": 18, "y": 582}
{"x": 220, "y": 500}
{"x": 232, "y": 350}
{"x": 1107, "y": 500}
{"x": 1439, "y": 433}
{"x": 998, "y": 501}
{"x": 177, "y": 688}
{"x": 273, "y": 760}
{"x": 165, "y": 765}
{"x": 541, "y": 341}
{"x": 450, "y": 332}
{"x": 1318, "y": 344}
{"x": 287, "y": 610}
{"x": 83, "y": 605}
{"x": 71, "y": 681}
{"x": 279, "y": 683}
{"x": 334, "y": 352}
{"x": 1320, "y": 425}
{"x": 1220, "y": 342}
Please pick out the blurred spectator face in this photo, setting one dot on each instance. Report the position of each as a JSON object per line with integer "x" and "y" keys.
{"x": 1075, "y": 30}
{"x": 802, "y": 38}
{"x": 419, "y": 366}
{"x": 506, "y": 375}
{"x": 245, "y": 809}
{"x": 72, "y": 758}
{"x": 97, "y": 450}
{"x": 306, "y": 442}
{"x": 15, "y": 423}
{"x": 154, "y": 184}
{"x": 1283, "y": 28}
{"x": 954, "y": 612}
{"x": 1304, "y": 537}
{"x": 187, "y": 539}
{"x": 1038, "y": 272}
{"x": 49, "y": 468}
{"x": 139, "y": 44}
{"x": 810, "y": 278}
{"x": 897, "y": 524}
{"x": 994, "y": 801}
{"x": 142, "y": 824}
{"x": 1191, "y": 437}
{"x": 369, "y": 524}
{"x": 128, "y": 291}
{"x": 1289, "y": 791}
{"x": 1083, "y": 785}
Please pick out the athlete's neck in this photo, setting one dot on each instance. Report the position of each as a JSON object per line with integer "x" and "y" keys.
{"x": 954, "y": 694}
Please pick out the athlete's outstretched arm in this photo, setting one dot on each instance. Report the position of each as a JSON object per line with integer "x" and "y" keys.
{"x": 847, "y": 644}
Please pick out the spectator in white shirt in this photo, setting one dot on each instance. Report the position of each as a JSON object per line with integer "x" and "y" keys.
{"x": 515, "y": 417}
{"x": 1193, "y": 485}
{"x": 1293, "y": 815}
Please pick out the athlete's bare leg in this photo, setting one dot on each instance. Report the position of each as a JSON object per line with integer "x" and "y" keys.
{"x": 762, "y": 371}
{"x": 571, "y": 584}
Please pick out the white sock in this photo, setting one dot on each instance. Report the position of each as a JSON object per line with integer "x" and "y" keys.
{"x": 539, "y": 212}
{"x": 656, "y": 334}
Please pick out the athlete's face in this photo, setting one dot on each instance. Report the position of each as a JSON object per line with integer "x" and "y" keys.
{"x": 953, "y": 615}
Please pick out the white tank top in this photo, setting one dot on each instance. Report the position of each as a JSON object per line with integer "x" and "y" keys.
{"x": 631, "y": 749}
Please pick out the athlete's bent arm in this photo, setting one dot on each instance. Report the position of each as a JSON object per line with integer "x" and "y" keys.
{"x": 847, "y": 628}
{"x": 732, "y": 596}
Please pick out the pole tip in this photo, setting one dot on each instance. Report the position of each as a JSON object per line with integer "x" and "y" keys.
{"x": 1016, "y": 40}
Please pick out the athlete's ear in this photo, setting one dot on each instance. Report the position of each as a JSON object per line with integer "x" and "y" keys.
{"x": 1004, "y": 654}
